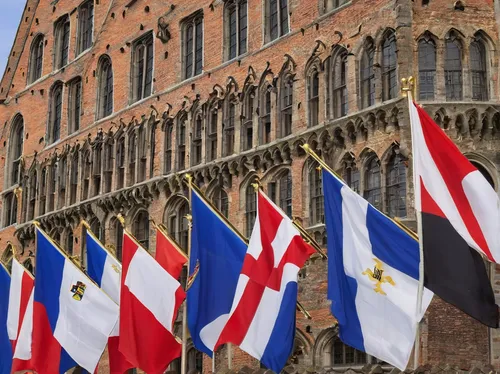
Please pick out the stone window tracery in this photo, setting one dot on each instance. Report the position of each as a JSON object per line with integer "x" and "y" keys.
{"x": 213, "y": 119}
{"x": 280, "y": 191}
{"x": 132, "y": 157}
{"x": 453, "y": 68}
{"x": 85, "y": 26}
{"x": 141, "y": 228}
{"x": 142, "y": 67}
{"x": 192, "y": 46}
{"x": 235, "y": 27}
{"x": 339, "y": 83}
{"x": 286, "y": 109}
{"x": 478, "y": 70}
{"x": 61, "y": 42}
{"x": 313, "y": 96}
{"x": 196, "y": 155}
{"x": 247, "y": 125}
{"x": 372, "y": 191}
{"x": 105, "y": 88}
{"x": 426, "y": 68}
{"x": 10, "y": 209}
{"x": 36, "y": 59}
{"x": 169, "y": 129}
{"x": 265, "y": 108}
{"x": 389, "y": 65}
{"x": 250, "y": 209}
{"x": 276, "y": 19}
{"x": 62, "y": 179}
{"x": 74, "y": 179}
{"x": 55, "y": 113}
{"x": 367, "y": 75}
{"x": 396, "y": 184}
{"x": 228, "y": 127}
{"x": 75, "y": 103}
{"x": 181, "y": 142}
{"x": 221, "y": 201}
{"x": 15, "y": 153}
{"x": 316, "y": 207}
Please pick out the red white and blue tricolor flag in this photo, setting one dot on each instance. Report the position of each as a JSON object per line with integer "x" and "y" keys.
{"x": 105, "y": 270}
{"x": 72, "y": 317}
{"x": 20, "y": 315}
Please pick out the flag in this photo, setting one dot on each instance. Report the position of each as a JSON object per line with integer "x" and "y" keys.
{"x": 373, "y": 272}
{"x": 105, "y": 270}
{"x": 5, "y": 343}
{"x": 169, "y": 255}
{"x": 460, "y": 220}
{"x": 150, "y": 298}
{"x": 20, "y": 314}
{"x": 261, "y": 320}
{"x": 216, "y": 259}
{"x": 72, "y": 316}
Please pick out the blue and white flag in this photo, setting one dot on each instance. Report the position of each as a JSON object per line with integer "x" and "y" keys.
{"x": 5, "y": 344}
{"x": 373, "y": 271}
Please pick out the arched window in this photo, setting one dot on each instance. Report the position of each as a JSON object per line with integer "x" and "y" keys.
{"x": 85, "y": 26}
{"x": 69, "y": 242}
{"x": 55, "y": 111}
{"x": 478, "y": 71}
{"x": 221, "y": 201}
{"x": 169, "y": 129}
{"x": 213, "y": 116}
{"x": 453, "y": 68}
{"x": 62, "y": 179}
{"x": 152, "y": 150}
{"x": 61, "y": 42}
{"x": 43, "y": 192}
{"x": 344, "y": 355}
{"x": 351, "y": 174}
{"x": 36, "y": 59}
{"x": 132, "y": 157}
{"x": 140, "y": 228}
{"x": 367, "y": 76}
{"x": 142, "y": 154}
{"x": 10, "y": 209}
{"x": 194, "y": 361}
{"x": 316, "y": 207}
{"x": 181, "y": 142}
{"x": 142, "y": 67}
{"x": 339, "y": 83}
{"x": 97, "y": 167}
{"x": 177, "y": 223}
{"x": 250, "y": 209}
{"x": 228, "y": 127}
{"x": 33, "y": 195}
{"x": 109, "y": 155}
{"x": 247, "y": 126}
{"x": 235, "y": 28}
{"x": 426, "y": 68}
{"x": 372, "y": 191}
{"x": 280, "y": 191}
{"x": 197, "y": 146}
{"x": 389, "y": 64}
{"x": 16, "y": 150}
{"x": 313, "y": 93}
{"x": 97, "y": 229}
{"x": 286, "y": 105}
{"x": 276, "y": 19}
{"x": 192, "y": 46}
{"x": 75, "y": 104}
{"x": 53, "y": 172}
{"x": 87, "y": 169}
{"x": 120, "y": 163}
{"x": 73, "y": 179}
{"x": 265, "y": 116}
{"x": 118, "y": 237}
{"x": 105, "y": 88}
{"x": 396, "y": 185}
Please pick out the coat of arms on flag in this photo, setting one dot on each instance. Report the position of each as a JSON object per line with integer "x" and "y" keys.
{"x": 78, "y": 290}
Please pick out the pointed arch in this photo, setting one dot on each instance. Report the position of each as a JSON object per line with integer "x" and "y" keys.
{"x": 105, "y": 87}
{"x": 15, "y": 151}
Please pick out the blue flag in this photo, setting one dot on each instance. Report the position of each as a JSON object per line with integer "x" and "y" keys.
{"x": 372, "y": 276}
{"x": 5, "y": 344}
{"x": 217, "y": 255}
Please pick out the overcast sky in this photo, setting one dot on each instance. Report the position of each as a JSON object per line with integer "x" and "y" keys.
{"x": 10, "y": 15}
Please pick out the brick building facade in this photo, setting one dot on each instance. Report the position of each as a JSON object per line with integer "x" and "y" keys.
{"x": 106, "y": 104}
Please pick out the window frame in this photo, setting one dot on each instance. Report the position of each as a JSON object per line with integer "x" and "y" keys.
{"x": 55, "y": 113}
{"x": 265, "y": 116}
{"x": 339, "y": 99}
{"x": 240, "y": 32}
{"x": 367, "y": 76}
{"x": 250, "y": 209}
{"x": 84, "y": 31}
{"x": 35, "y": 70}
{"x": 10, "y": 212}
{"x": 197, "y": 139}
{"x": 450, "y": 72}
{"x": 212, "y": 133}
{"x": 372, "y": 192}
{"x": 141, "y": 226}
{"x": 15, "y": 152}
{"x": 282, "y": 28}
{"x": 62, "y": 30}
{"x": 479, "y": 75}
{"x": 105, "y": 92}
{"x": 426, "y": 73}
{"x": 313, "y": 97}
{"x": 143, "y": 67}
{"x": 229, "y": 126}
{"x": 181, "y": 141}
{"x": 75, "y": 104}
{"x": 195, "y": 67}
{"x": 389, "y": 66}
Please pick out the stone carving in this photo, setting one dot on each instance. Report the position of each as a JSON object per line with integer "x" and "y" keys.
{"x": 163, "y": 34}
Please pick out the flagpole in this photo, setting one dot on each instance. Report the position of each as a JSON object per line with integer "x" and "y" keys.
{"x": 407, "y": 89}
{"x": 189, "y": 218}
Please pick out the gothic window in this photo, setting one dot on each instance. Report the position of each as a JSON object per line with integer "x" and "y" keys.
{"x": 194, "y": 361}
{"x": 426, "y": 69}
{"x": 55, "y": 113}
{"x": 339, "y": 83}
{"x": 85, "y": 26}
{"x": 152, "y": 150}
{"x": 212, "y": 133}
{"x": 313, "y": 93}
{"x": 118, "y": 239}
{"x": 75, "y": 104}
{"x": 97, "y": 168}
{"x": 265, "y": 117}
{"x": 62, "y": 176}
{"x": 235, "y": 25}
{"x": 105, "y": 88}
{"x": 132, "y": 157}
{"x": 52, "y": 183}
{"x": 228, "y": 128}
{"x": 367, "y": 76}
{"x": 181, "y": 142}
{"x": 16, "y": 149}
{"x": 389, "y": 63}
{"x": 36, "y": 59}
{"x": 192, "y": 46}
{"x": 351, "y": 174}
{"x": 141, "y": 228}
{"x": 196, "y": 153}
{"x": 96, "y": 228}
{"x": 10, "y": 209}
{"x": 141, "y": 171}
{"x": 108, "y": 165}
{"x": 247, "y": 127}
{"x": 316, "y": 208}
{"x": 276, "y": 19}
{"x": 478, "y": 71}
{"x": 142, "y": 67}
{"x": 372, "y": 191}
{"x": 344, "y": 355}
{"x": 69, "y": 242}
{"x": 33, "y": 192}
{"x": 120, "y": 163}
{"x": 178, "y": 224}
{"x": 250, "y": 209}
{"x": 61, "y": 42}
{"x": 221, "y": 201}
{"x": 453, "y": 68}
{"x": 396, "y": 185}
{"x": 87, "y": 170}
{"x": 286, "y": 105}
{"x": 280, "y": 191}
{"x": 329, "y": 5}
{"x": 169, "y": 128}
{"x": 73, "y": 179}
{"x": 43, "y": 192}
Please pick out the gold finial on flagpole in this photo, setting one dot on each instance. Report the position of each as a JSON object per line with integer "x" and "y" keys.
{"x": 120, "y": 218}
{"x": 13, "y": 249}
{"x": 408, "y": 85}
